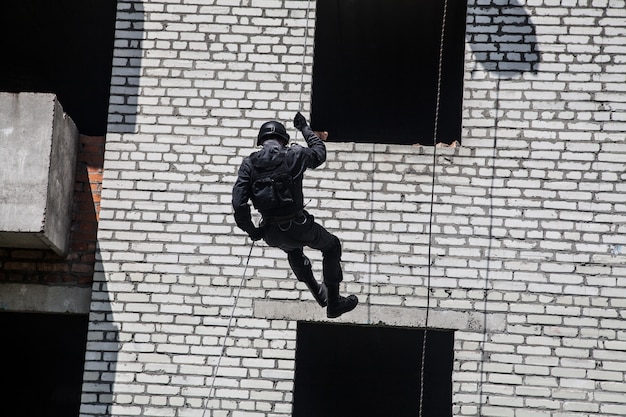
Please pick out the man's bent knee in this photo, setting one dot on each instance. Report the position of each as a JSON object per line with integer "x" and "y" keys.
{"x": 334, "y": 251}
{"x": 300, "y": 264}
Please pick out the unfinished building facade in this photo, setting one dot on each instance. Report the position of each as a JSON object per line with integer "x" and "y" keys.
{"x": 491, "y": 268}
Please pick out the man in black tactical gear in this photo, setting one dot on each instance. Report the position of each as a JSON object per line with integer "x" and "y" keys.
{"x": 272, "y": 179}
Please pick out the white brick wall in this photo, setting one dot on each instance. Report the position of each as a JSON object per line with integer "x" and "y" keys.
{"x": 528, "y": 234}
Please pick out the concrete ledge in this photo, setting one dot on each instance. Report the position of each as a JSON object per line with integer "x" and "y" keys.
{"x": 44, "y": 298}
{"x": 38, "y": 149}
{"x": 382, "y": 315}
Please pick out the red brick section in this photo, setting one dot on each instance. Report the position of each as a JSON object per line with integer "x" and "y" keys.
{"x": 34, "y": 266}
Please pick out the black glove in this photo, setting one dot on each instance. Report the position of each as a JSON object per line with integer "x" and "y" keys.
{"x": 256, "y": 234}
{"x": 299, "y": 121}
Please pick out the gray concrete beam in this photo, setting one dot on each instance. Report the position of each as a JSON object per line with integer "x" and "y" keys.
{"x": 476, "y": 321}
{"x": 44, "y": 298}
{"x": 38, "y": 148}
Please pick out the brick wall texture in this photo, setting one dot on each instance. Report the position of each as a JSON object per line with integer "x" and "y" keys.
{"x": 528, "y": 229}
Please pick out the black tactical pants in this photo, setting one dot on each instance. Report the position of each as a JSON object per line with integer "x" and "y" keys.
{"x": 293, "y": 235}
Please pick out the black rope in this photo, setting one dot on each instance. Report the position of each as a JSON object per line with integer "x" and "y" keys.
{"x": 243, "y": 278}
{"x": 371, "y": 236}
{"x": 230, "y": 320}
{"x": 306, "y": 40}
{"x": 432, "y": 203}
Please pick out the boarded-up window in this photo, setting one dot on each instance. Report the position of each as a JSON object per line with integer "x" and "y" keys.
{"x": 371, "y": 371}
{"x": 376, "y": 68}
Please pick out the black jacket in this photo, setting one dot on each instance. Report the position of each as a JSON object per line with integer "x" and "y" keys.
{"x": 298, "y": 159}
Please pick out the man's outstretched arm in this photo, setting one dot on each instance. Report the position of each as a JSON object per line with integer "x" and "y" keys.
{"x": 317, "y": 154}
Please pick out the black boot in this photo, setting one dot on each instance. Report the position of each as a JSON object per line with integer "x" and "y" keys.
{"x": 337, "y": 305}
{"x": 319, "y": 291}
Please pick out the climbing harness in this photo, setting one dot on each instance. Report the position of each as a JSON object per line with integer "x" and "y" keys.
{"x": 298, "y": 220}
{"x": 228, "y": 327}
{"x": 432, "y": 203}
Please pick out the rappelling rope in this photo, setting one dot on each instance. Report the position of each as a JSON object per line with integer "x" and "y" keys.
{"x": 371, "y": 236}
{"x": 432, "y": 203}
{"x": 306, "y": 41}
{"x": 230, "y": 320}
{"x": 243, "y": 277}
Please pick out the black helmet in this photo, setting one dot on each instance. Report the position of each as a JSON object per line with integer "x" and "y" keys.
{"x": 272, "y": 129}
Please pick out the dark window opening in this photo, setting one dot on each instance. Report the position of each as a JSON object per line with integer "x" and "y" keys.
{"x": 371, "y": 371}
{"x": 43, "y": 359}
{"x": 376, "y": 66}
{"x": 63, "y": 47}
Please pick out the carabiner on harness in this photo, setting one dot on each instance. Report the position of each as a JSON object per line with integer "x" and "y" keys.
{"x": 299, "y": 219}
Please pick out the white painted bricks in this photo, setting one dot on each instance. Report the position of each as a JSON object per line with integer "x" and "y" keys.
{"x": 528, "y": 226}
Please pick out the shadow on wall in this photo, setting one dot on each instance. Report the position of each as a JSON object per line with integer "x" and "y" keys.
{"x": 103, "y": 341}
{"x": 103, "y": 334}
{"x": 101, "y": 356}
{"x": 126, "y": 71}
{"x": 504, "y": 42}
{"x": 503, "y": 39}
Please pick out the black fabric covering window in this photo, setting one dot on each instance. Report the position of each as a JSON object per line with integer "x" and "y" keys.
{"x": 375, "y": 70}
